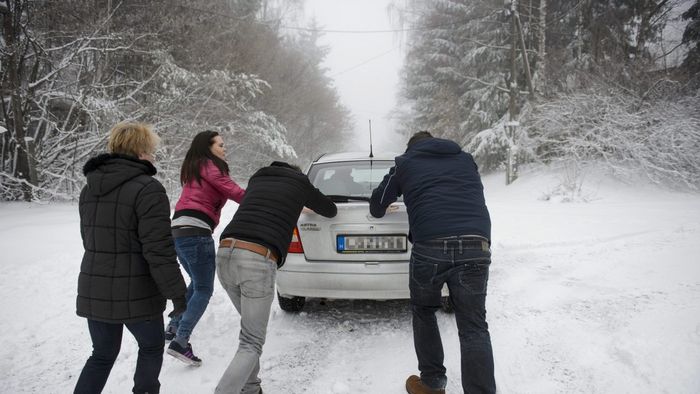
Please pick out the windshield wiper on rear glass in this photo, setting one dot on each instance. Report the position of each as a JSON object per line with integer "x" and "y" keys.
{"x": 341, "y": 198}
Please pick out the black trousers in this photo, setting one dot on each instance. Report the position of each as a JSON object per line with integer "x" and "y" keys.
{"x": 106, "y": 342}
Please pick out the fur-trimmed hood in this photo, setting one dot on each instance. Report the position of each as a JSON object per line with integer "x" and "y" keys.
{"x": 107, "y": 171}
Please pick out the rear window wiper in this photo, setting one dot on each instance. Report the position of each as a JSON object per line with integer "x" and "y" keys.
{"x": 341, "y": 198}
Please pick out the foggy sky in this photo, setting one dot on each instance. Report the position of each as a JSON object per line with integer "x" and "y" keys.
{"x": 364, "y": 66}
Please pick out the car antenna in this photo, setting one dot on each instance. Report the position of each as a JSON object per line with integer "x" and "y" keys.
{"x": 370, "y": 139}
{"x": 370, "y": 154}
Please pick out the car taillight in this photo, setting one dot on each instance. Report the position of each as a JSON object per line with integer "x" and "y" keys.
{"x": 295, "y": 246}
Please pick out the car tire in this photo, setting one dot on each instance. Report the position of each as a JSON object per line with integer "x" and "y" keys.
{"x": 446, "y": 305}
{"x": 292, "y": 304}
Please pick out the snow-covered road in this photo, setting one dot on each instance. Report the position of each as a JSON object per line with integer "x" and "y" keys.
{"x": 594, "y": 297}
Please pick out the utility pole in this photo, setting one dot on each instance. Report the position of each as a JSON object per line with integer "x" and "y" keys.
{"x": 512, "y": 124}
{"x": 541, "y": 53}
{"x": 517, "y": 39}
{"x": 526, "y": 63}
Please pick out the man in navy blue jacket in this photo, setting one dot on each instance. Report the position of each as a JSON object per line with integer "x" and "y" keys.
{"x": 450, "y": 229}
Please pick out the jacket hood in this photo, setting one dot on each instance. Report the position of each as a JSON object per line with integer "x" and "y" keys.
{"x": 282, "y": 164}
{"x": 435, "y": 146}
{"x": 107, "y": 171}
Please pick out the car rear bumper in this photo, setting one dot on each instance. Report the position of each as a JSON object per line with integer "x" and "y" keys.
{"x": 343, "y": 280}
{"x": 343, "y": 286}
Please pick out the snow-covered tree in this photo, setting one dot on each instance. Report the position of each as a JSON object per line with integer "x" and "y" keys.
{"x": 657, "y": 134}
{"x": 56, "y": 91}
{"x": 19, "y": 59}
{"x": 455, "y": 66}
{"x": 457, "y": 75}
{"x": 691, "y": 36}
{"x": 72, "y": 69}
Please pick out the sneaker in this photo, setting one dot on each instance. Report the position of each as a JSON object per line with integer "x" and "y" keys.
{"x": 415, "y": 386}
{"x": 183, "y": 354}
{"x": 170, "y": 333}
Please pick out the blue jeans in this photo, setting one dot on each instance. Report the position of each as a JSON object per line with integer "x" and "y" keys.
{"x": 197, "y": 256}
{"x": 106, "y": 342}
{"x": 465, "y": 269}
{"x": 249, "y": 280}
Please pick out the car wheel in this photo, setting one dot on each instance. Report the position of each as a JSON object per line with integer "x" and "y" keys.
{"x": 446, "y": 304}
{"x": 293, "y": 304}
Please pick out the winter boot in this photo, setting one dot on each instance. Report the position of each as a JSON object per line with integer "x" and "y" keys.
{"x": 415, "y": 386}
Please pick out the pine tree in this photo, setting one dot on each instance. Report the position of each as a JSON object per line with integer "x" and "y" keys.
{"x": 454, "y": 68}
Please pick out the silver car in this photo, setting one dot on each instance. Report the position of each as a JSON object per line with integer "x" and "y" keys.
{"x": 353, "y": 255}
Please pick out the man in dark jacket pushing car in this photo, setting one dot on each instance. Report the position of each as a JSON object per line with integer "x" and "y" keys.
{"x": 450, "y": 229}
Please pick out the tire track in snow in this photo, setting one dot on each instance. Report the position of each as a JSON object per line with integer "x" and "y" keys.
{"x": 340, "y": 344}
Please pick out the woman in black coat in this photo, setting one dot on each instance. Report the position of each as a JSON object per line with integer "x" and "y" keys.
{"x": 129, "y": 268}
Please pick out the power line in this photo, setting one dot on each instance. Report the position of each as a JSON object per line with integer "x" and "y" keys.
{"x": 309, "y": 29}
{"x": 365, "y": 31}
{"x": 363, "y": 62}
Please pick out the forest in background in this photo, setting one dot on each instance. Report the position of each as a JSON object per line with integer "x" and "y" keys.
{"x": 71, "y": 69}
{"x": 514, "y": 82}
{"x": 570, "y": 81}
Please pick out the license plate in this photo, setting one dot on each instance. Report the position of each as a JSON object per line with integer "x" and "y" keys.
{"x": 394, "y": 243}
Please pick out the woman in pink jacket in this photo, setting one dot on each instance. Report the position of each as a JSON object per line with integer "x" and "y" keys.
{"x": 206, "y": 188}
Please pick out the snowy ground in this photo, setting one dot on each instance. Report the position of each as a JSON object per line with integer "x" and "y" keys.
{"x": 600, "y": 296}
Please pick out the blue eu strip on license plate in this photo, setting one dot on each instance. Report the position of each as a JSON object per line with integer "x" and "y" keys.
{"x": 341, "y": 243}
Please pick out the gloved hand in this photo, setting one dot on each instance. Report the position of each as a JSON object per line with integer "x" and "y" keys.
{"x": 179, "y": 307}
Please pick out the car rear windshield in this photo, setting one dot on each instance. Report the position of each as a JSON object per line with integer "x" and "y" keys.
{"x": 349, "y": 178}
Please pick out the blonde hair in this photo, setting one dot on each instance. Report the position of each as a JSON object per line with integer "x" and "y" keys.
{"x": 132, "y": 138}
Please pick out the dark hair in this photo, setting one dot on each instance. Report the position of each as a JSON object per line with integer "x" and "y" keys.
{"x": 421, "y": 135}
{"x": 197, "y": 155}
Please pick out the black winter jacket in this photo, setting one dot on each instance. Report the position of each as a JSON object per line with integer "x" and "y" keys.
{"x": 270, "y": 209}
{"x": 441, "y": 188}
{"x": 129, "y": 267}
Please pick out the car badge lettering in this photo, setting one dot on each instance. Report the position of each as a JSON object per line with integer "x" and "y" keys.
{"x": 309, "y": 227}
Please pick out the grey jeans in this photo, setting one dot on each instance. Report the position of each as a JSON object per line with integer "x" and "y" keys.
{"x": 249, "y": 280}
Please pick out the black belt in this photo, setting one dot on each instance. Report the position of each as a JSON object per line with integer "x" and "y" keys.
{"x": 189, "y": 231}
{"x": 461, "y": 242}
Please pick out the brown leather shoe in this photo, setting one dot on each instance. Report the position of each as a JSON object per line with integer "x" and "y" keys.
{"x": 415, "y": 386}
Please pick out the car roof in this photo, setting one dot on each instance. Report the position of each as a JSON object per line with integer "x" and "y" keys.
{"x": 353, "y": 156}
